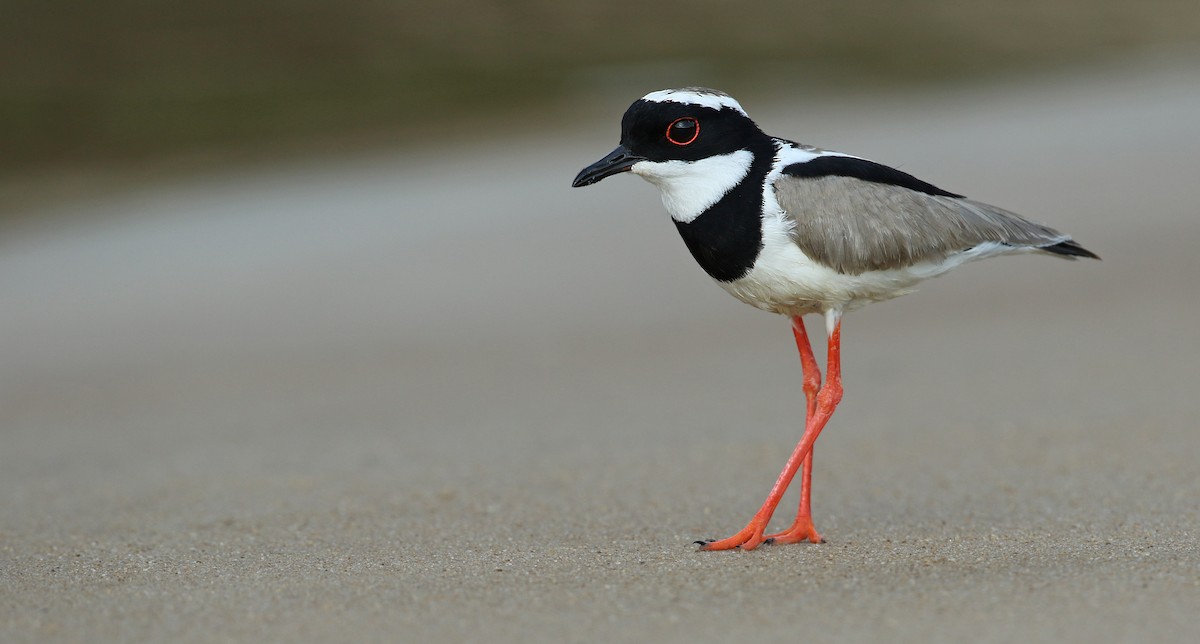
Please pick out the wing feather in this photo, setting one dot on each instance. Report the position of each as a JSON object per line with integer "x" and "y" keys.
{"x": 855, "y": 226}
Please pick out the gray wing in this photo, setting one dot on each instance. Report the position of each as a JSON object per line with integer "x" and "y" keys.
{"x": 854, "y": 226}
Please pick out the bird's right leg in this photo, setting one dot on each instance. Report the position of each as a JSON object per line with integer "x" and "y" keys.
{"x": 751, "y": 536}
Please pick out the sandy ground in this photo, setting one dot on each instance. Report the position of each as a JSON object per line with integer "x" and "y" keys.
{"x": 441, "y": 396}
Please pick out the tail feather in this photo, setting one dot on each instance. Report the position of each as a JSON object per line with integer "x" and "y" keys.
{"x": 1069, "y": 249}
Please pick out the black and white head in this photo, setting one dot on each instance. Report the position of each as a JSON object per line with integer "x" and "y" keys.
{"x": 693, "y": 143}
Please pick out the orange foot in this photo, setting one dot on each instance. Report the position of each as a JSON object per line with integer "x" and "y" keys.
{"x": 749, "y": 538}
{"x": 802, "y": 530}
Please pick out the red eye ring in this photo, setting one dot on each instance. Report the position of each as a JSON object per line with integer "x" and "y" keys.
{"x": 694, "y": 127}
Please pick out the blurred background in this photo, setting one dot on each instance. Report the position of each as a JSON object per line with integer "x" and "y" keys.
{"x": 217, "y": 218}
{"x": 179, "y": 85}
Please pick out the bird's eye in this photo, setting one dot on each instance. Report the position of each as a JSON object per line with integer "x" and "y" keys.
{"x": 683, "y": 131}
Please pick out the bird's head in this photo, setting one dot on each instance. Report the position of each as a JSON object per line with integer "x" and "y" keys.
{"x": 678, "y": 134}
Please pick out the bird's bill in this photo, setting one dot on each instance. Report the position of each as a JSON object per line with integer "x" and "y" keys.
{"x": 616, "y": 162}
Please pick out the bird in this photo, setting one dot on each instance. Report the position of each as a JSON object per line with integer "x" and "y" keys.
{"x": 794, "y": 229}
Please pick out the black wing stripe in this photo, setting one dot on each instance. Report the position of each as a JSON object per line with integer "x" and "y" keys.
{"x": 839, "y": 166}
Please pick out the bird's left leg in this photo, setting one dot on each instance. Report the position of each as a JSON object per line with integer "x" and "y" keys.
{"x": 751, "y": 536}
{"x": 802, "y": 529}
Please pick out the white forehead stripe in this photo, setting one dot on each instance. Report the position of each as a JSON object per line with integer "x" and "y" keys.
{"x": 692, "y": 96}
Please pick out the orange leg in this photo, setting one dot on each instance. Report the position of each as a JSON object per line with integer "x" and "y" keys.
{"x": 802, "y": 529}
{"x": 827, "y": 399}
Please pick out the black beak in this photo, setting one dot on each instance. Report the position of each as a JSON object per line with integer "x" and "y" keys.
{"x": 617, "y": 161}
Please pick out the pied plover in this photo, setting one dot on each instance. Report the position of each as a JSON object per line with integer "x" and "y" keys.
{"x": 794, "y": 229}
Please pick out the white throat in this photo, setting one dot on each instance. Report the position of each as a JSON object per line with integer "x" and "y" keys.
{"x": 691, "y": 187}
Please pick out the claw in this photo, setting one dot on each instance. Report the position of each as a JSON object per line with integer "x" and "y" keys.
{"x": 800, "y": 532}
{"x": 748, "y": 538}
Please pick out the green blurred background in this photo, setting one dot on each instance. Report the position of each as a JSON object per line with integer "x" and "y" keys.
{"x": 129, "y": 82}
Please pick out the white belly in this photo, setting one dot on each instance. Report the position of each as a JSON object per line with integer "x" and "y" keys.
{"x": 784, "y": 280}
